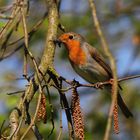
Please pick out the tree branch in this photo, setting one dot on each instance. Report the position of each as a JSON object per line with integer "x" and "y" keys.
{"x": 46, "y": 61}
{"x": 113, "y": 66}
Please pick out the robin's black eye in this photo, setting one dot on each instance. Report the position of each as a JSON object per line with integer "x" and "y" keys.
{"x": 70, "y": 37}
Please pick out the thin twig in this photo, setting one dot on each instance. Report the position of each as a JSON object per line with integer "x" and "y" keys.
{"x": 36, "y": 132}
{"x": 63, "y": 90}
{"x": 61, "y": 127}
{"x": 30, "y": 34}
{"x": 113, "y": 66}
{"x": 51, "y": 110}
{"x": 23, "y": 13}
{"x": 14, "y": 14}
{"x": 6, "y": 8}
{"x": 39, "y": 99}
{"x": 97, "y": 85}
{"x": 33, "y": 119}
{"x": 1, "y": 129}
{"x": 63, "y": 101}
{"x": 25, "y": 66}
{"x": 75, "y": 83}
{"x": 2, "y": 16}
{"x": 16, "y": 92}
{"x": 128, "y": 78}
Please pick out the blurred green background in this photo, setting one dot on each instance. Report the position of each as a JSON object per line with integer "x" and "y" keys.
{"x": 120, "y": 21}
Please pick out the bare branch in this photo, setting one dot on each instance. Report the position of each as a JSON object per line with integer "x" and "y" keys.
{"x": 113, "y": 66}
{"x": 20, "y": 40}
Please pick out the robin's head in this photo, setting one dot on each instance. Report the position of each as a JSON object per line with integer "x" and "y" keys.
{"x": 73, "y": 43}
{"x": 71, "y": 40}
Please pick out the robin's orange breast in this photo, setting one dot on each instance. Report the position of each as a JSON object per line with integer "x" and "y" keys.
{"x": 77, "y": 56}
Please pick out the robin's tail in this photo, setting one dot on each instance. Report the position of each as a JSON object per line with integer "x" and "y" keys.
{"x": 123, "y": 107}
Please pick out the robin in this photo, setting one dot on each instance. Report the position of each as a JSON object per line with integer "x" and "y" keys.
{"x": 88, "y": 63}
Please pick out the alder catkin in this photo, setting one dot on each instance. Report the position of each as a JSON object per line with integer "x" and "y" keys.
{"x": 116, "y": 119}
{"x": 77, "y": 115}
{"x": 42, "y": 113}
{"x": 115, "y": 115}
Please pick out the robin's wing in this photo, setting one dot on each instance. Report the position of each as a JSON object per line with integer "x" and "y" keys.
{"x": 98, "y": 58}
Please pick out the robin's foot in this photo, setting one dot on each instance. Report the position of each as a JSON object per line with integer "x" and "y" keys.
{"x": 75, "y": 83}
{"x": 99, "y": 85}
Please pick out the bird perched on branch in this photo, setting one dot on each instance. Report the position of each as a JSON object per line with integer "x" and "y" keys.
{"x": 88, "y": 63}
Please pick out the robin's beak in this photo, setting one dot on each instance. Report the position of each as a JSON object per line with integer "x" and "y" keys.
{"x": 57, "y": 42}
